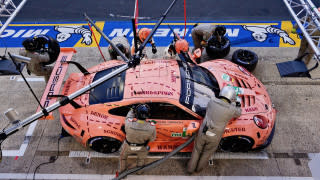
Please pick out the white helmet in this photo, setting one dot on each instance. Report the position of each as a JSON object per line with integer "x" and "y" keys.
{"x": 229, "y": 93}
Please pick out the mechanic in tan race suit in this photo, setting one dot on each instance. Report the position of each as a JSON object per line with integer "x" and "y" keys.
{"x": 142, "y": 34}
{"x": 42, "y": 50}
{"x": 122, "y": 44}
{"x": 219, "y": 111}
{"x": 201, "y": 34}
{"x": 139, "y": 133}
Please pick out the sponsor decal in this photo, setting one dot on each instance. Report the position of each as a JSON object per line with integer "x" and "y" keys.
{"x": 251, "y": 109}
{"x": 114, "y": 133}
{"x": 176, "y": 134}
{"x": 165, "y": 93}
{"x": 173, "y": 76}
{"x": 225, "y": 77}
{"x": 54, "y": 81}
{"x": 188, "y": 84}
{"x": 167, "y": 147}
{"x": 231, "y": 130}
{"x": 241, "y": 34}
{"x": 97, "y": 114}
{"x": 75, "y": 123}
{"x": 238, "y": 90}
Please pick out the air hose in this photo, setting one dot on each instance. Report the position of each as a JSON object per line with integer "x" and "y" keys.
{"x": 154, "y": 163}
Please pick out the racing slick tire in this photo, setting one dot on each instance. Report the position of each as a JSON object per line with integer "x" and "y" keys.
{"x": 104, "y": 144}
{"x": 236, "y": 144}
{"x": 216, "y": 49}
{"x": 245, "y": 58}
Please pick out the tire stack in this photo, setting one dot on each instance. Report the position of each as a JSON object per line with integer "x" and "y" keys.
{"x": 216, "y": 49}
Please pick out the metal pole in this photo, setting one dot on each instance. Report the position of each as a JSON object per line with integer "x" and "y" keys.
{"x": 106, "y": 38}
{"x": 13, "y": 15}
{"x": 155, "y": 28}
{"x": 305, "y": 33}
{"x": 32, "y": 118}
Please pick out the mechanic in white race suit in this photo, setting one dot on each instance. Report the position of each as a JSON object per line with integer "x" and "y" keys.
{"x": 219, "y": 111}
{"x": 43, "y": 50}
{"x": 122, "y": 44}
{"x": 139, "y": 133}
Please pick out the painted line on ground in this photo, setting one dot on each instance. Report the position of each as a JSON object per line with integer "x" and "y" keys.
{"x": 31, "y": 79}
{"x": 143, "y": 177}
{"x": 24, "y": 145}
{"x": 218, "y": 155}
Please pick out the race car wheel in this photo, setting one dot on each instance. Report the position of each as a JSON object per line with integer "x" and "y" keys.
{"x": 236, "y": 144}
{"x": 216, "y": 49}
{"x": 104, "y": 144}
{"x": 246, "y": 58}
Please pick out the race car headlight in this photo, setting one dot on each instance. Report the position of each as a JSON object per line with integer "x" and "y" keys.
{"x": 260, "y": 121}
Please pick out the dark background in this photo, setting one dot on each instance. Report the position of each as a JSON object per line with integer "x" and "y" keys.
{"x": 211, "y": 10}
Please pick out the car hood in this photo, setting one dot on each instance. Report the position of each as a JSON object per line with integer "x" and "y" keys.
{"x": 252, "y": 94}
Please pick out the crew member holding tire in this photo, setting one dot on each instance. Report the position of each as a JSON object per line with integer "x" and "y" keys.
{"x": 43, "y": 50}
{"x": 122, "y": 44}
{"x": 201, "y": 33}
{"x": 139, "y": 133}
{"x": 219, "y": 111}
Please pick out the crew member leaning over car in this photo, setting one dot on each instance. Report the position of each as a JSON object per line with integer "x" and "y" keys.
{"x": 219, "y": 111}
{"x": 139, "y": 133}
{"x": 122, "y": 44}
{"x": 42, "y": 50}
{"x": 202, "y": 32}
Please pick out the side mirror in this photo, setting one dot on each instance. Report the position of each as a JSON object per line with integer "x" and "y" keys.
{"x": 193, "y": 127}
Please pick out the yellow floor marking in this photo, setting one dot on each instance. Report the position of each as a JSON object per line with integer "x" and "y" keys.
{"x": 100, "y": 24}
{"x": 287, "y": 26}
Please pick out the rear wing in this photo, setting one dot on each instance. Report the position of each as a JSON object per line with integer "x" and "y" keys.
{"x": 56, "y": 79}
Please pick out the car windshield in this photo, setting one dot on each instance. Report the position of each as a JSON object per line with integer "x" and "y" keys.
{"x": 198, "y": 85}
{"x": 109, "y": 91}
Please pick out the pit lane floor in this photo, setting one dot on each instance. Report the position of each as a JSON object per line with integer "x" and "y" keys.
{"x": 293, "y": 154}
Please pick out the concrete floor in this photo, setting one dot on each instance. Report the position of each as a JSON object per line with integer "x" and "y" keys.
{"x": 294, "y": 152}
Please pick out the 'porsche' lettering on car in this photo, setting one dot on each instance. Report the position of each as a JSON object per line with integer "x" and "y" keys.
{"x": 97, "y": 114}
{"x": 54, "y": 81}
{"x": 188, "y": 84}
{"x": 166, "y": 93}
{"x": 231, "y": 130}
{"x": 251, "y": 109}
{"x": 114, "y": 133}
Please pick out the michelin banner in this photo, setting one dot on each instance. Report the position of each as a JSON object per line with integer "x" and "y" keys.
{"x": 241, "y": 34}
